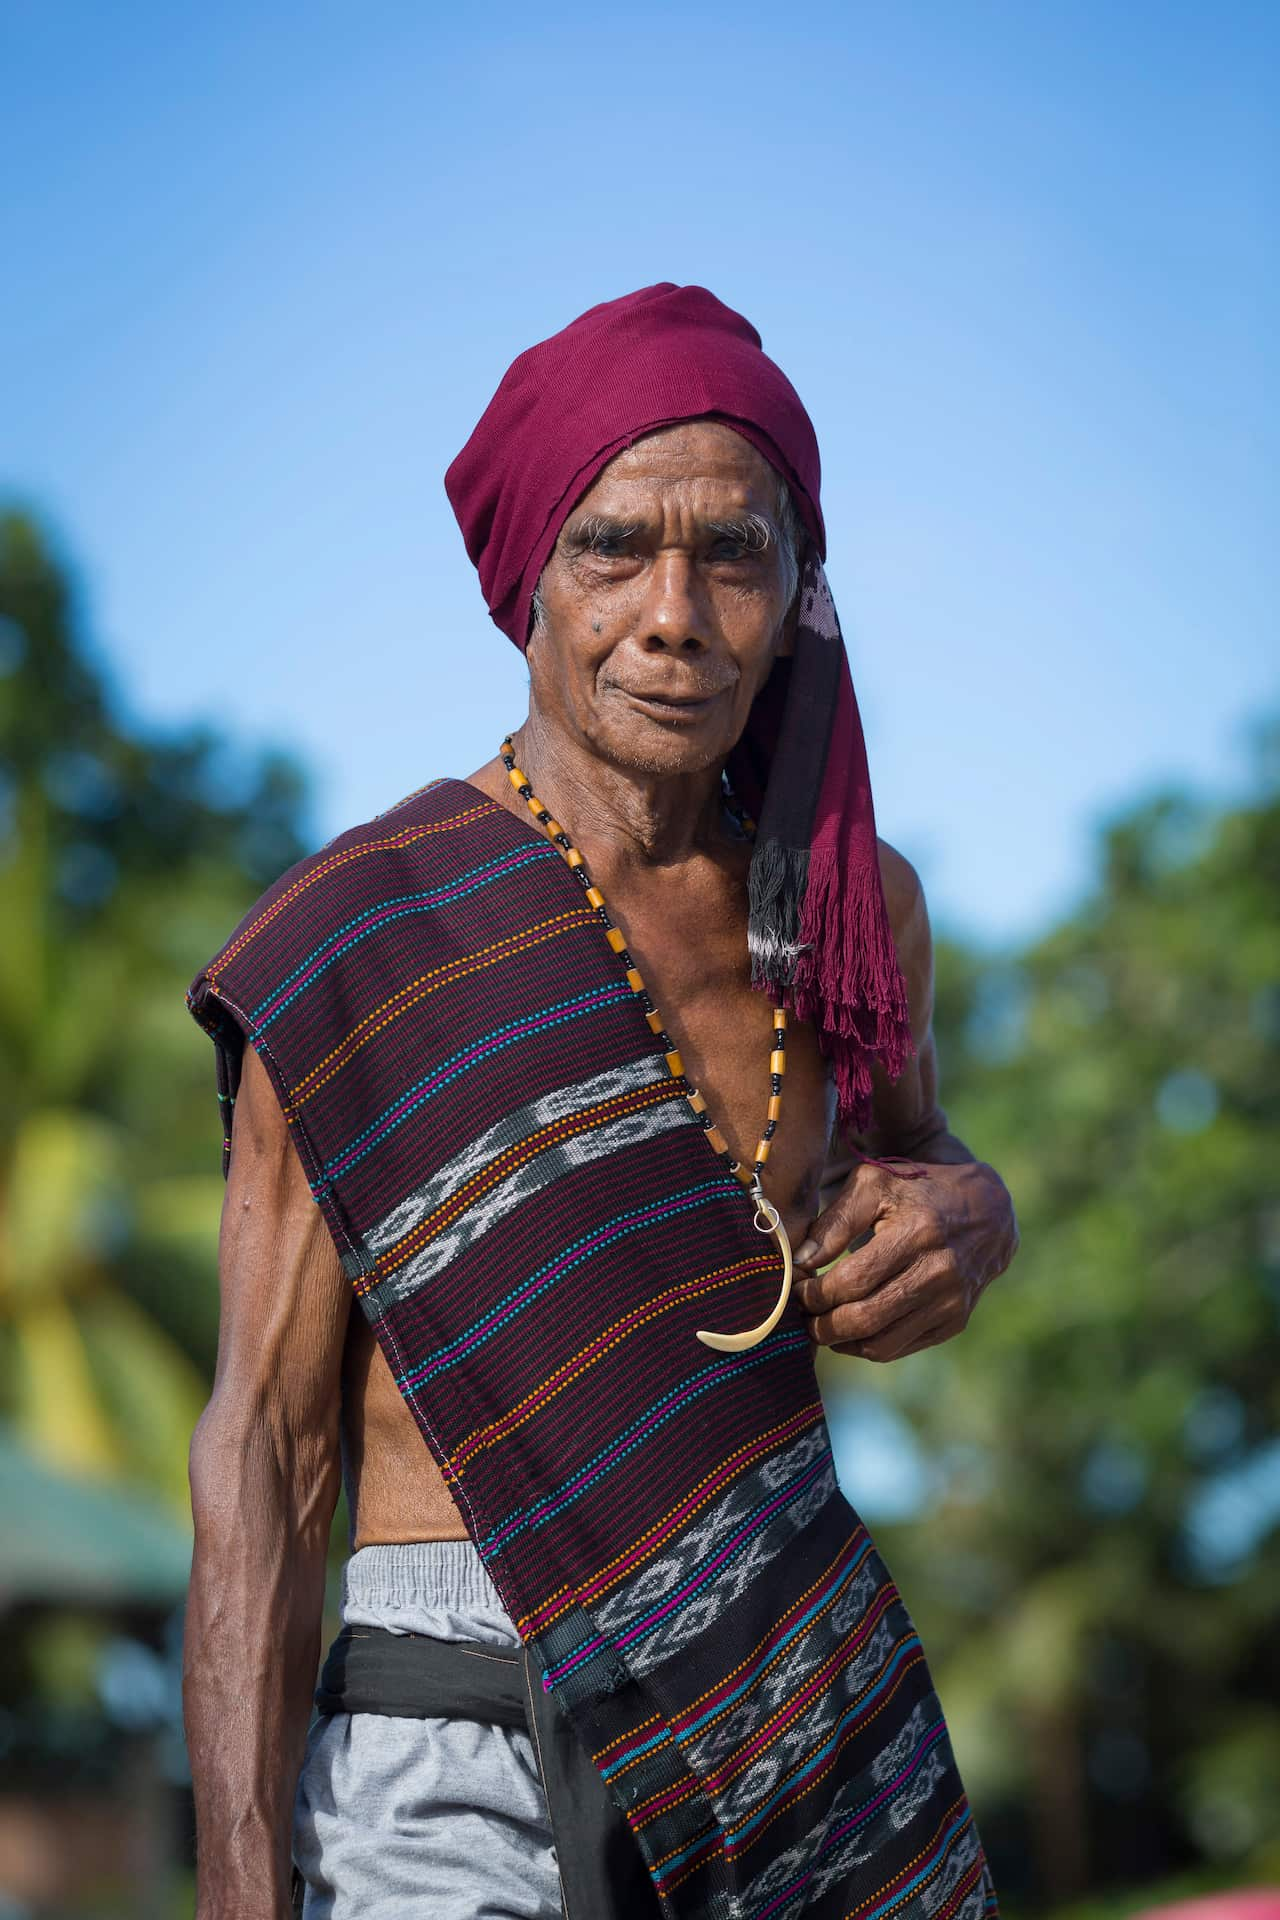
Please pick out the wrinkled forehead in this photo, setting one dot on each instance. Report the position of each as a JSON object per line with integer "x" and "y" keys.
{"x": 695, "y": 456}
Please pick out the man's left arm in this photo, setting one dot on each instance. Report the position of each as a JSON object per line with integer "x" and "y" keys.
{"x": 910, "y": 1256}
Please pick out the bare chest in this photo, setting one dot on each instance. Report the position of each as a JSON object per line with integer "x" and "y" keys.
{"x": 690, "y": 942}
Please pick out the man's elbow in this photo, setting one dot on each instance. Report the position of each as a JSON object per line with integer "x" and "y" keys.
{"x": 250, "y": 1468}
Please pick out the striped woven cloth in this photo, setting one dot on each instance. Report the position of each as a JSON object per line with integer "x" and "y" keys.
{"x": 535, "y": 1226}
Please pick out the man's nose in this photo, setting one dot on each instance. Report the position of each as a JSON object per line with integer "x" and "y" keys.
{"x": 674, "y": 614}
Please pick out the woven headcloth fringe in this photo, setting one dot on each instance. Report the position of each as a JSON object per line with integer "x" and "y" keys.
{"x": 819, "y": 929}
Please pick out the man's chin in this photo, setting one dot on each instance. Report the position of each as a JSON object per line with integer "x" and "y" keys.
{"x": 646, "y": 745}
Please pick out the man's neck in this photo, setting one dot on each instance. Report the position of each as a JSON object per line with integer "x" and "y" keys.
{"x": 621, "y": 817}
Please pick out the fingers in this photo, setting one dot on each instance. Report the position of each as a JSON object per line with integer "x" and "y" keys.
{"x": 930, "y": 1287}
{"x": 867, "y": 1268}
{"x": 910, "y": 1335}
{"x": 851, "y": 1214}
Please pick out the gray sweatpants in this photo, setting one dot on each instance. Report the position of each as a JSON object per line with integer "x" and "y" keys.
{"x": 423, "y": 1819}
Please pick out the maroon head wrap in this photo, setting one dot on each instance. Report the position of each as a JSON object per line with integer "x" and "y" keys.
{"x": 818, "y": 928}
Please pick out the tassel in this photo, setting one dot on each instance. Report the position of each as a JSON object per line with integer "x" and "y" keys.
{"x": 847, "y": 982}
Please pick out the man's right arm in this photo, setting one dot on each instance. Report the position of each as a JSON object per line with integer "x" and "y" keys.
{"x": 265, "y": 1475}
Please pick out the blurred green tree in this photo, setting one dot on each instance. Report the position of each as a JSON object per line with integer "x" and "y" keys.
{"x": 1096, "y": 1566}
{"x": 124, "y": 859}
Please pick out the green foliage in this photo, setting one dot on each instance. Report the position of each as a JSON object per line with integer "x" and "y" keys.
{"x": 1095, "y": 1577}
{"x": 124, "y": 861}
{"x": 1095, "y": 1573}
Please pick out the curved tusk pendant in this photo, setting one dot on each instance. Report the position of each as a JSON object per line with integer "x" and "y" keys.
{"x": 739, "y": 1342}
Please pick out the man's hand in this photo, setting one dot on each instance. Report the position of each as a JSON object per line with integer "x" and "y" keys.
{"x": 911, "y": 1257}
{"x": 911, "y": 1252}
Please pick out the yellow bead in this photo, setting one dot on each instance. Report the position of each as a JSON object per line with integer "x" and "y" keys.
{"x": 617, "y": 938}
{"x": 697, "y": 1102}
{"x": 634, "y": 980}
{"x": 675, "y": 1064}
{"x": 552, "y": 827}
{"x": 779, "y": 1016}
{"x": 655, "y": 1021}
{"x": 746, "y": 1176}
{"x": 717, "y": 1140}
{"x": 762, "y": 1151}
{"x": 534, "y": 804}
{"x": 595, "y": 896}
{"x": 777, "y": 1061}
{"x": 516, "y": 778}
{"x": 574, "y": 857}
{"x": 775, "y": 1106}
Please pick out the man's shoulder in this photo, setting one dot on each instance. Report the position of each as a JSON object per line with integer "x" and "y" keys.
{"x": 426, "y": 837}
{"x": 903, "y": 892}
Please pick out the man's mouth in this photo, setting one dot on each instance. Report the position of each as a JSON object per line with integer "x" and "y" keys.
{"x": 674, "y": 703}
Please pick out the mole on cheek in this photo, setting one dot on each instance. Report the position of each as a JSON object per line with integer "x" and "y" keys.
{"x": 597, "y": 626}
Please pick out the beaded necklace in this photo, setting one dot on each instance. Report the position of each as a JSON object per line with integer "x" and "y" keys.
{"x": 767, "y": 1217}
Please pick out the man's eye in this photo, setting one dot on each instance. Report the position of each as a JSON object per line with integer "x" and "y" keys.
{"x": 608, "y": 546}
{"x": 728, "y": 550}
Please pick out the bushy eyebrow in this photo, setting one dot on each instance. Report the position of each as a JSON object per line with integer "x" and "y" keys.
{"x": 581, "y": 534}
{"x": 750, "y": 530}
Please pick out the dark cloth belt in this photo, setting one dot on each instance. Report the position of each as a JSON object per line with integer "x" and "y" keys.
{"x": 369, "y": 1670}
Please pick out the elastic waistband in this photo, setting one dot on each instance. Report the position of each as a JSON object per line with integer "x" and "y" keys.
{"x": 437, "y": 1587}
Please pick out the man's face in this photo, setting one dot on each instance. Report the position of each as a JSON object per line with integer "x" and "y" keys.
{"x": 665, "y": 602}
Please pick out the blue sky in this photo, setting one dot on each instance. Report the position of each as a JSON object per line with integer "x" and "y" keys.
{"x": 263, "y": 266}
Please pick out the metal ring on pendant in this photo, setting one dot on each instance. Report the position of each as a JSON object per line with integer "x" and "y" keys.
{"x": 739, "y": 1342}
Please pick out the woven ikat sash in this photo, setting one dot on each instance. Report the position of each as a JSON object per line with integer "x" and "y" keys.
{"x": 535, "y": 1226}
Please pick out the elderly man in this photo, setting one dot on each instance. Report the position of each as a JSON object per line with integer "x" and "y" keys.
{"x": 551, "y": 1068}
